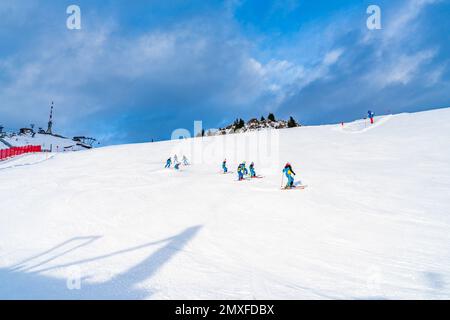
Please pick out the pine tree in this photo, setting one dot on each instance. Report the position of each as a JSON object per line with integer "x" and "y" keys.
{"x": 292, "y": 123}
{"x": 262, "y": 118}
{"x": 271, "y": 117}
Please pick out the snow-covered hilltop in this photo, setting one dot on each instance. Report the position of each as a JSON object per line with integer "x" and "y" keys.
{"x": 47, "y": 139}
{"x": 112, "y": 223}
{"x": 240, "y": 126}
{"x": 49, "y": 142}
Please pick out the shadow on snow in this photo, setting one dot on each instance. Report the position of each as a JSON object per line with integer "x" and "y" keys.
{"x": 23, "y": 281}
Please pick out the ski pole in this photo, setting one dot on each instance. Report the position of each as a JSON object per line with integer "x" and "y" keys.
{"x": 282, "y": 178}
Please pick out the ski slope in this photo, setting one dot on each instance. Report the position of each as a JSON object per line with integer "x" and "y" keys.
{"x": 111, "y": 223}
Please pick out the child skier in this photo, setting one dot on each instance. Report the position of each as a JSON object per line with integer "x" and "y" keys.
{"x": 177, "y": 165}
{"x": 289, "y": 174}
{"x": 240, "y": 171}
{"x": 244, "y": 168}
{"x": 252, "y": 170}
{"x": 224, "y": 166}
{"x": 168, "y": 163}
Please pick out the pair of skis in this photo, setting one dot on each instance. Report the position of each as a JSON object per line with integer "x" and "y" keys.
{"x": 299, "y": 187}
{"x": 248, "y": 178}
{"x": 296, "y": 186}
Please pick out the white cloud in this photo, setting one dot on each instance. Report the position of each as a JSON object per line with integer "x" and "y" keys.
{"x": 332, "y": 57}
{"x": 403, "y": 21}
{"x": 404, "y": 68}
{"x": 398, "y": 59}
{"x": 283, "y": 78}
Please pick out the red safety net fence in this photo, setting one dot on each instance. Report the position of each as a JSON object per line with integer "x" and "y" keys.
{"x": 17, "y": 151}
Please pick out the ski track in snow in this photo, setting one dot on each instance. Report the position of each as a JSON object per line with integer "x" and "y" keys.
{"x": 364, "y": 228}
{"x": 25, "y": 160}
{"x": 364, "y": 125}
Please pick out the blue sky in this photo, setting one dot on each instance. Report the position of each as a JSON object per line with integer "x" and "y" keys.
{"x": 139, "y": 69}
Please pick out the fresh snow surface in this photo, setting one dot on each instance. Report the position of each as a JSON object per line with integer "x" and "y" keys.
{"x": 111, "y": 223}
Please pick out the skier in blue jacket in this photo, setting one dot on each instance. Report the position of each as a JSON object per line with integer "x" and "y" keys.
{"x": 244, "y": 168}
{"x": 289, "y": 174}
{"x": 224, "y": 166}
{"x": 168, "y": 163}
{"x": 252, "y": 170}
{"x": 371, "y": 115}
{"x": 240, "y": 171}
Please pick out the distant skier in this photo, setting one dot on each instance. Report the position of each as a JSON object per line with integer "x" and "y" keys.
{"x": 224, "y": 166}
{"x": 168, "y": 163}
{"x": 175, "y": 159}
{"x": 252, "y": 170}
{"x": 185, "y": 161}
{"x": 371, "y": 115}
{"x": 289, "y": 174}
{"x": 177, "y": 165}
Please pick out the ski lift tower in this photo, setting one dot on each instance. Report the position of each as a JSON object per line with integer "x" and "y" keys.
{"x": 50, "y": 121}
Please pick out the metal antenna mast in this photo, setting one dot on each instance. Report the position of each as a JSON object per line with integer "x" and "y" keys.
{"x": 50, "y": 121}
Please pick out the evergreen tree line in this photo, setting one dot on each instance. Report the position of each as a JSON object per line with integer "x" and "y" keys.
{"x": 239, "y": 123}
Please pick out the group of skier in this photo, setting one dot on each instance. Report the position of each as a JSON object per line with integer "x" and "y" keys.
{"x": 242, "y": 170}
{"x": 176, "y": 163}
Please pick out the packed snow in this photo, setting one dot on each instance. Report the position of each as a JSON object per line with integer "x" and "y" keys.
{"x": 112, "y": 223}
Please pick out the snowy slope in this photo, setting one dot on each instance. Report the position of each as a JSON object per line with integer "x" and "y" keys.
{"x": 373, "y": 223}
